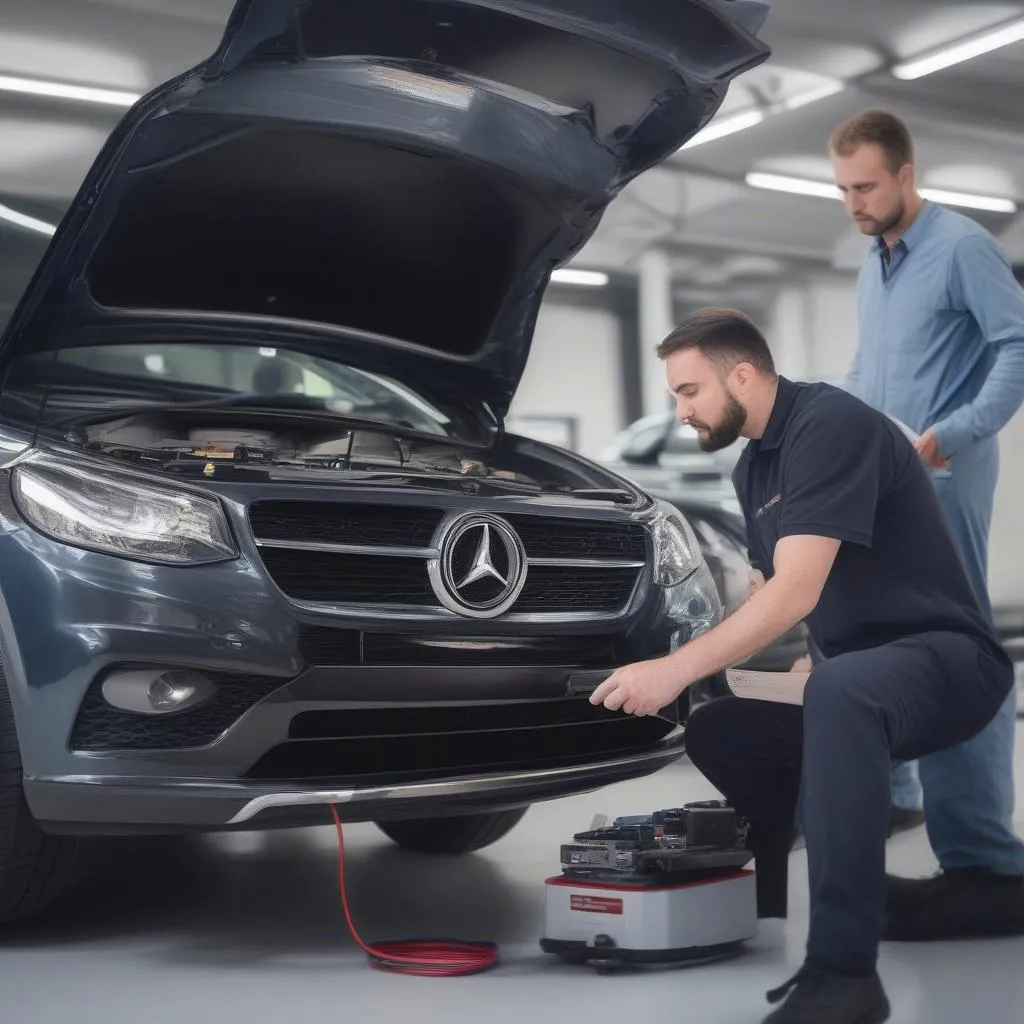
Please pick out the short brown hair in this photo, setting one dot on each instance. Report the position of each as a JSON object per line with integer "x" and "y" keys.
{"x": 879, "y": 127}
{"x": 727, "y": 336}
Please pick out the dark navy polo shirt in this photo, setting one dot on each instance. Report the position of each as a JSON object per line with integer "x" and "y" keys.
{"x": 831, "y": 466}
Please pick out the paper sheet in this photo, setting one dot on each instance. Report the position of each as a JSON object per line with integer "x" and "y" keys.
{"x": 913, "y": 437}
{"x": 780, "y": 687}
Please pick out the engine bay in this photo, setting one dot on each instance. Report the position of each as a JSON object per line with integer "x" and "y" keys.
{"x": 297, "y": 449}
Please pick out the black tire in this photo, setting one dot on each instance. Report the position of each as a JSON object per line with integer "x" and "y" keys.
{"x": 35, "y": 868}
{"x": 452, "y": 835}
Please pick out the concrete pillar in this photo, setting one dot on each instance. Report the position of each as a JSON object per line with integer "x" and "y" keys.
{"x": 656, "y": 322}
{"x": 789, "y": 333}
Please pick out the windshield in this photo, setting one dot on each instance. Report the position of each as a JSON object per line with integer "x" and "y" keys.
{"x": 111, "y": 378}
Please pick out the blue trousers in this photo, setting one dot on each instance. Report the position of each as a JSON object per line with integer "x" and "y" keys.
{"x": 906, "y": 786}
{"x": 968, "y": 790}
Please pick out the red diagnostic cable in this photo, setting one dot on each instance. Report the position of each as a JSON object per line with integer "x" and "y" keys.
{"x": 429, "y": 958}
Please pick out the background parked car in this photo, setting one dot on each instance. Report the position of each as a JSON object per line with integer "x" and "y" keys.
{"x": 723, "y": 543}
{"x": 665, "y": 457}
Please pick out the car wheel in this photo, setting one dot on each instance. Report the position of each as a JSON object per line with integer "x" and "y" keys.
{"x": 452, "y": 835}
{"x": 35, "y": 868}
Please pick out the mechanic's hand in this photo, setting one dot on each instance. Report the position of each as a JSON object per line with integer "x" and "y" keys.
{"x": 927, "y": 447}
{"x": 643, "y": 688}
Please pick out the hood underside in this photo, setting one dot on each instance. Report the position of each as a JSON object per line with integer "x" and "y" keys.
{"x": 388, "y": 182}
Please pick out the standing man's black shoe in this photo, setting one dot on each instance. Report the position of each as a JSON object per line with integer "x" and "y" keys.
{"x": 967, "y": 904}
{"x": 902, "y": 819}
{"x": 818, "y": 996}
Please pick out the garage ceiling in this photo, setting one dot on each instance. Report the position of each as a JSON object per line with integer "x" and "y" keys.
{"x": 831, "y": 58}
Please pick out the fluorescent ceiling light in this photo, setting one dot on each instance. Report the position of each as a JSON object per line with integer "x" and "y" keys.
{"x": 795, "y": 186}
{"x": 958, "y": 52}
{"x": 823, "y": 190}
{"x": 24, "y": 221}
{"x": 589, "y": 278}
{"x": 995, "y": 204}
{"x": 720, "y": 127}
{"x": 64, "y": 91}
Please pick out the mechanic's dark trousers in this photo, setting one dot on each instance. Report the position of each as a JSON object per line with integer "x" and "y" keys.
{"x": 904, "y": 699}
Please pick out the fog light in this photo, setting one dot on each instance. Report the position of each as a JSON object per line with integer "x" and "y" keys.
{"x": 156, "y": 691}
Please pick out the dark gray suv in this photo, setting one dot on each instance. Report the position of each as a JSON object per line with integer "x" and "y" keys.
{"x": 264, "y": 544}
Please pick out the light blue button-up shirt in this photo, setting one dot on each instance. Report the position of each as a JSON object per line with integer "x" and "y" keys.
{"x": 941, "y": 331}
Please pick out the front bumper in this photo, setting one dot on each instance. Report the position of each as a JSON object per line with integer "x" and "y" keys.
{"x": 68, "y": 617}
{"x": 84, "y": 804}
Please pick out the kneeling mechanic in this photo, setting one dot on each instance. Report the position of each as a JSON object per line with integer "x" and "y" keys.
{"x": 844, "y": 526}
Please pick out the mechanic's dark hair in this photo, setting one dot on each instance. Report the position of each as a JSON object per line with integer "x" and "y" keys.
{"x": 727, "y": 336}
{"x": 880, "y": 127}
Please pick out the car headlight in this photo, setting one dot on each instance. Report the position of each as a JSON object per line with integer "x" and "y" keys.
{"x": 676, "y": 550}
{"x": 122, "y": 517}
{"x": 694, "y": 606}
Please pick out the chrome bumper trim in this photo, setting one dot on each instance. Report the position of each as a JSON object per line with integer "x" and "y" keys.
{"x": 668, "y": 750}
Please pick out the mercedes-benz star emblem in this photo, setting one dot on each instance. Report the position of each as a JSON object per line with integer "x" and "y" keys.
{"x": 481, "y": 568}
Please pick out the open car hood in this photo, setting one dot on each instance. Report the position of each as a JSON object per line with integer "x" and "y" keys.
{"x": 387, "y": 182}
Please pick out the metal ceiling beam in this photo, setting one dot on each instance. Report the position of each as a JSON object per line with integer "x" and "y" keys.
{"x": 680, "y": 246}
{"x": 997, "y": 132}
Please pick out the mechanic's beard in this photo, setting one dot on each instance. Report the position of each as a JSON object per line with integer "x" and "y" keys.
{"x": 713, "y": 439}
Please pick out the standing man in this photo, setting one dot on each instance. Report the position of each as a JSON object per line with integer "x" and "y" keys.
{"x": 941, "y": 325}
{"x": 843, "y": 524}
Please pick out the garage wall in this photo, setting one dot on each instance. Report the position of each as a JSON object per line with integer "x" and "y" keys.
{"x": 813, "y": 333}
{"x": 575, "y": 369}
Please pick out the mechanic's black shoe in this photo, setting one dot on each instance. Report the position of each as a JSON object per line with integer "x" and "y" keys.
{"x": 972, "y": 903}
{"x": 903, "y": 820}
{"x": 817, "y": 996}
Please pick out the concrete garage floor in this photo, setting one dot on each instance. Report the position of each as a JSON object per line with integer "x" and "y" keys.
{"x": 248, "y": 928}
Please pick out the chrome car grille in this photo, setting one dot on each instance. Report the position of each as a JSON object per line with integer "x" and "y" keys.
{"x": 384, "y": 559}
